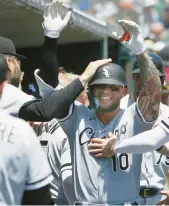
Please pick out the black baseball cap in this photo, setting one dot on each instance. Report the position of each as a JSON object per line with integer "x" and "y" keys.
{"x": 7, "y": 47}
{"x": 3, "y": 68}
{"x": 156, "y": 59}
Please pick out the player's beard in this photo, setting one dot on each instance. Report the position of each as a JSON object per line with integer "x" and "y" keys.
{"x": 111, "y": 108}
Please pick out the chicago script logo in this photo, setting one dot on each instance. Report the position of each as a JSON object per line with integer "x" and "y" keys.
{"x": 121, "y": 130}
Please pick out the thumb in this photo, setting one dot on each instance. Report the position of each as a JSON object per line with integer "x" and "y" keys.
{"x": 115, "y": 35}
{"x": 67, "y": 17}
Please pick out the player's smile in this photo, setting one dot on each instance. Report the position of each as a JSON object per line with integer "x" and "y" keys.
{"x": 105, "y": 98}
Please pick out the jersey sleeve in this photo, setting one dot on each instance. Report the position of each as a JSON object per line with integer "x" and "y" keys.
{"x": 66, "y": 163}
{"x": 39, "y": 171}
{"x": 165, "y": 124}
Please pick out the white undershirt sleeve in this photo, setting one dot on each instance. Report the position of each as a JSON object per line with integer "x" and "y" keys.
{"x": 144, "y": 142}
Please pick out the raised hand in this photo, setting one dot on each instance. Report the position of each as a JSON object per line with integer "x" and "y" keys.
{"x": 132, "y": 37}
{"x": 53, "y": 23}
{"x": 91, "y": 70}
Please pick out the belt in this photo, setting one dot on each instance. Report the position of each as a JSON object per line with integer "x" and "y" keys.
{"x": 88, "y": 203}
{"x": 148, "y": 192}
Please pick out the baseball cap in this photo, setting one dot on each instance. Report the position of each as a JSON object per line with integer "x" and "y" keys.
{"x": 7, "y": 47}
{"x": 156, "y": 59}
{"x": 3, "y": 68}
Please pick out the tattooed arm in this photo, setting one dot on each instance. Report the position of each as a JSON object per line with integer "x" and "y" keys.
{"x": 150, "y": 96}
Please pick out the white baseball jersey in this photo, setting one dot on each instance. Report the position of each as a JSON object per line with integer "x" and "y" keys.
{"x": 13, "y": 98}
{"x": 56, "y": 146}
{"x": 126, "y": 102}
{"x": 155, "y": 166}
{"x": 22, "y": 162}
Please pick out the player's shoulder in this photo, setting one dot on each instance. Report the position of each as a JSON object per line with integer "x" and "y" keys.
{"x": 21, "y": 129}
{"x": 164, "y": 109}
{"x": 126, "y": 101}
{"x": 131, "y": 109}
{"x": 13, "y": 98}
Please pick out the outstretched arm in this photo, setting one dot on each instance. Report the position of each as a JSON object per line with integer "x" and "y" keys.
{"x": 53, "y": 25}
{"x": 150, "y": 96}
{"x": 149, "y": 99}
{"x": 57, "y": 103}
{"x": 50, "y": 67}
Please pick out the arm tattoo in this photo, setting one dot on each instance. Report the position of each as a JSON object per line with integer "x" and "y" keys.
{"x": 150, "y": 95}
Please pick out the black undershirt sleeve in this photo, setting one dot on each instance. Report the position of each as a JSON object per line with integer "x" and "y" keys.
{"x": 55, "y": 105}
{"x": 49, "y": 60}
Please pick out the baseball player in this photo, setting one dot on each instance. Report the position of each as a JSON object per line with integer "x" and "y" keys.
{"x": 18, "y": 103}
{"x": 106, "y": 181}
{"x": 24, "y": 178}
{"x": 155, "y": 167}
{"x": 56, "y": 146}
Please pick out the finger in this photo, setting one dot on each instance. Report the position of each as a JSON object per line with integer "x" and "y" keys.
{"x": 128, "y": 25}
{"x": 164, "y": 192}
{"x": 46, "y": 10}
{"x": 53, "y": 9}
{"x": 95, "y": 151}
{"x": 57, "y": 8}
{"x": 97, "y": 140}
{"x": 67, "y": 17}
{"x": 111, "y": 135}
{"x": 95, "y": 146}
{"x": 60, "y": 8}
{"x": 102, "y": 62}
{"x": 99, "y": 155}
{"x": 115, "y": 35}
{"x": 123, "y": 24}
{"x": 162, "y": 202}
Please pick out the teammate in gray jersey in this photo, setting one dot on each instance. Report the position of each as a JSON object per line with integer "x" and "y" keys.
{"x": 24, "y": 179}
{"x": 56, "y": 147}
{"x": 54, "y": 141}
{"x": 155, "y": 167}
{"x": 106, "y": 180}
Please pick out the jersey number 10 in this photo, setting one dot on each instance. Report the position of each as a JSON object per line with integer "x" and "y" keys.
{"x": 123, "y": 161}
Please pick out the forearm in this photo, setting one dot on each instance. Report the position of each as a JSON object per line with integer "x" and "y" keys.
{"x": 55, "y": 105}
{"x": 50, "y": 67}
{"x": 144, "y": 142}
{"x": 164, "y": 150}
{"x": 149, "y": 98}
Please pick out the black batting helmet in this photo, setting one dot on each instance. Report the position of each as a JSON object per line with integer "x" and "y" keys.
{"x": 109, "y": 74}
{"x": 158, "y": 62}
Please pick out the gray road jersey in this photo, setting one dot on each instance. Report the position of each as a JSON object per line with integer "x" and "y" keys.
{"x": 12, "y": 99}
{"x": 56, "y": 146}
{"x": 155, "y": 166}
{"x": 112, "y": 181}
{"x": 21, "y": 156}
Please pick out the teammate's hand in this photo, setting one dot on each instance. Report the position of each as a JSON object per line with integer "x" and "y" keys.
{"x": 165, "y": 201}
{"x": 102, "y": 147}
{"x": 132, "y": 37}
{"x": 91, "y": 70}
{"x": 39, "y": 127}
{"x": 53, "y": 23}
